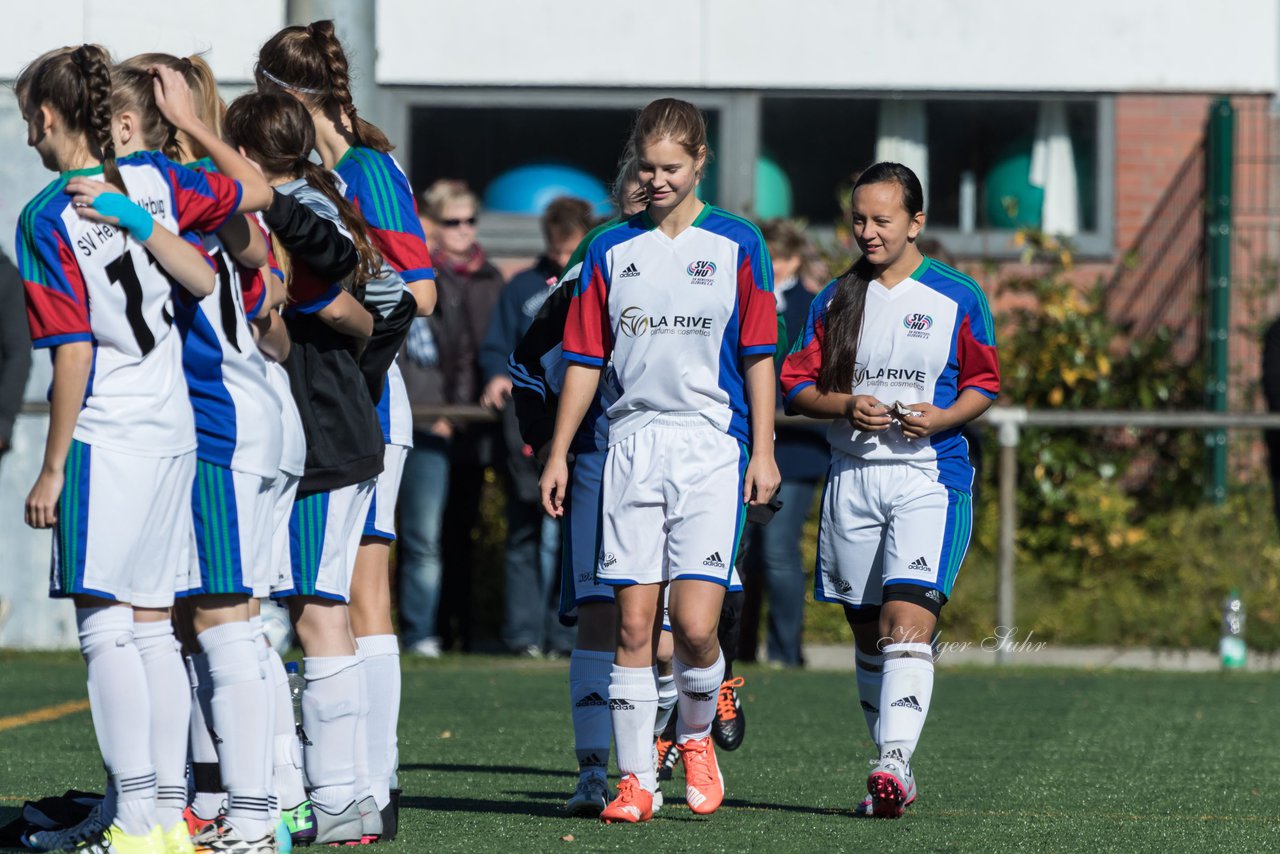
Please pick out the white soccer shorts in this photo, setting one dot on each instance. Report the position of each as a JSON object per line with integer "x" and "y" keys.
{"x": 672, "y": 504}
{"x": 381, "y": 521}
{"x": 888, "y": 523}
{"x": 124, "y": 529}
{"x": 284, "y": 491}
{"x": 324, "y": 534}
{"x": 232, "y": 512}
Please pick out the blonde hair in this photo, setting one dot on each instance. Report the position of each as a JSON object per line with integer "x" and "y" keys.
{"x": 675, "y": 120}
{"x": 204, "y": 86}
{"x": 443, "y": 193}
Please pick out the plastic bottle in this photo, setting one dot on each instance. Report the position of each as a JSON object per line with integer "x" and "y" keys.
{"x": 296, "y": 686}
{"x": 1231, "y": 646}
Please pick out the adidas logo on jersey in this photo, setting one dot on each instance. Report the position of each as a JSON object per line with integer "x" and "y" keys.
{"x": 632, "y": 270}
{"x": 621, "y": 706}
{"x": 699, "y": 696}
{"x": 920, "y": 565}
{"x": 592, "y": 699}
{"x": 908, "y": 703}
{"x": 715, "y": 560}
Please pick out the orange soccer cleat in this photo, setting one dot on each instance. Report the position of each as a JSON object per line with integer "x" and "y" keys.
{"x": 704, "y": 784}
{"x": 633, "y": 803}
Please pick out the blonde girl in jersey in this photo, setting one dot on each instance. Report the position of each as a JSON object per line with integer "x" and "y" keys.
{"x": 119, "y": 460}
{"x": 678, "y": 302}
{"x": 899, "y": 353}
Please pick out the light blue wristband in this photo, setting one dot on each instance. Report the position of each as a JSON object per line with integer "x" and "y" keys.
{"x": 132, "y": 217}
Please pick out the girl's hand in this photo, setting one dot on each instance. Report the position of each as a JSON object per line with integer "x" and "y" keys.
{"x": 42, "y": 502}
{"x": 866, "y": 413}
{"x": 174, "y": 98}
{"x": 554, "y": 483}
{"x": 930, "y": 420}
{"x": 84, "y": 192}
{"x": 762, "y": 480}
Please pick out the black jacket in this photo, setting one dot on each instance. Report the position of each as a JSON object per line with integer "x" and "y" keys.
{"x": 15, "y": 347}
{"x": 335, "y": 401}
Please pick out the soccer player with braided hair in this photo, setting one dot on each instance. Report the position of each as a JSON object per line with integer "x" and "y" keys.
{"x": 119, "y": 463}
{"x": 309, "y": 64}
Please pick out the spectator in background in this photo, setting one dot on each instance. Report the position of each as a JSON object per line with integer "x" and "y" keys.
{"x": 443, "y": 476}
{"x": 530, "y": 616}
{"x": 15, "y": 350}
{"x": 774, "y": 560}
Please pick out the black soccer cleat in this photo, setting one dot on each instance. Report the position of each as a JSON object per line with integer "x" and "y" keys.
{"x": 730, "y": 725}
{"x": 391, "y": 817}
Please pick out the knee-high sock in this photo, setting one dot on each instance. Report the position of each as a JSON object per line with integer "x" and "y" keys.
{"x": 210, "y": 797}
{"x": 122, "y": 724}
{"x": 382, "y": 677}
{"x": 263, "y": 647}
{"x": 239, "y": 717}
{"x": 905, "y": 696}
{"x": 362, "y": 730}
{"x": 699, "y": 687}
{"x": 667, "y": 698}
{"x": 287, "y": 750}
{"x": 870, "y": 674}
{"x": 633, "y": 705}
{"x": 330, "y": 706}
{"x": 589, "y": 673}
{"x": 169, "y": 692}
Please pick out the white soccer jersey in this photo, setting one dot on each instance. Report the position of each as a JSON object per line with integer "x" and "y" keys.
{"x": 237, "y": 413}
{"x": 923, "y": 341}
{"x": 675, "y": 316}
{"x": 90, "y": 282}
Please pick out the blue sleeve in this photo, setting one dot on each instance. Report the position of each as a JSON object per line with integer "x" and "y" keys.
{"x": 500, "y": 337}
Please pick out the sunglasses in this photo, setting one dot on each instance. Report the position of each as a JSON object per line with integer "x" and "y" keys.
{"x": 455, "y": 223}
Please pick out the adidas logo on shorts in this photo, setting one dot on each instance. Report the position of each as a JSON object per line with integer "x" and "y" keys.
{"x": 609, "y": 559}
{"x": 839, "y": 583}
{"x": 934, "y": 595}
{"x": 621, "y": 706}
{"x": 908, "y": 703}
{"x": 715, "y": 560}
{"x": 592, "y": 699}
{"x": 920, "y": 565}
{"x": 631, "y": 270}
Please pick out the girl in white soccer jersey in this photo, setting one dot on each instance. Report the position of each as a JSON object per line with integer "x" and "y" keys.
{"x": 900, "y": 352}
{"x": 679, "y": 299}
{"x": 309, "y": 64}
{"x": 119, "y": 460}
{"x": 238, "y": 431}
{"x": 344, "y": 443}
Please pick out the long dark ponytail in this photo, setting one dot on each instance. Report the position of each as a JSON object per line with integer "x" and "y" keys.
{"x": 848, "y": 306}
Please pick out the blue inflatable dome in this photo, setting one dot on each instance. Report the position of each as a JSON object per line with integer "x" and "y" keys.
{"x": 529, "y": 189}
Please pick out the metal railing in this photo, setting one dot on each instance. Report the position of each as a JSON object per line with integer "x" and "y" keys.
{"x": 1008, "y": 422}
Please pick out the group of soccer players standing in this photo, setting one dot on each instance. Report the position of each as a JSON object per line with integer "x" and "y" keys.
{"x": 228, "y": 423}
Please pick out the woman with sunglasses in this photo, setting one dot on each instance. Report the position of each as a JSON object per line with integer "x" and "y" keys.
{"x": 441, "y": 366}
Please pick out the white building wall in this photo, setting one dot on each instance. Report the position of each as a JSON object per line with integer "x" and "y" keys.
{"x": 977, "y": 45}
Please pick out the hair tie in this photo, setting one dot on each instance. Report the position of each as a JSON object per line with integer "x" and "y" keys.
{"x": 283, "y": 85}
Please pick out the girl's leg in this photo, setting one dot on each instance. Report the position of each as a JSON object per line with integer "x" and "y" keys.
{"x": 698, "y": 662}
{"x": 633, "y": 689}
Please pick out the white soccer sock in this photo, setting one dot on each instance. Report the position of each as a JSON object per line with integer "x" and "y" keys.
{"x": 668, "y": 696}
{"x": 382, "y": 678}
{"x": 905, "y": 695}
{"x": 169, "y": 692}
{"x": 209, "y": 797}
{"x": 589, "y": 673}
{"x": 699, "y": 688}
{"x": 870, "y": 674}
{"x": 239, "y": 717}
{"x": 330, "y": 706}
{"x": 633, "y": 705}
{"x": 263, "y": 646}
{"x": 287, "y": 753}
{"x": 123, "y": 725}
{"x": 363, "y": 708}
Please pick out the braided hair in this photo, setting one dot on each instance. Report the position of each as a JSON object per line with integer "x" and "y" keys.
{"x": 75, "y": 82}
{"x": 310, "y": 61}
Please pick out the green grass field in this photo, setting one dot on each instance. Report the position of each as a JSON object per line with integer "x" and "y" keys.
{"x": 1010, "y": 761}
